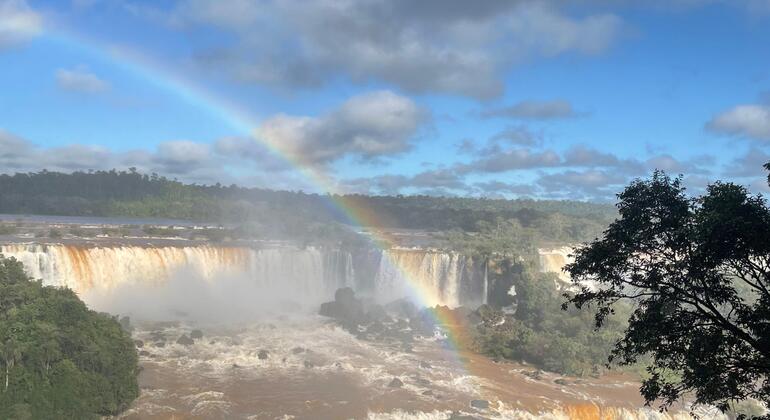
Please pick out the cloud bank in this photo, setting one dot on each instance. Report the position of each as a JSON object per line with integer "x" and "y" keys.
{"x": 432, "y": 46}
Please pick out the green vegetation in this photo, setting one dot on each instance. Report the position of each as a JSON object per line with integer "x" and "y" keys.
{"x": 59, "y": 360}
{"x": 537, "y": 331}
{"x": 119, "y": 232}
{"x": 279, "y": 214}
{"x": 166, "y": 232}
{"x": 82, "y": 233}
{"x": 7, "y": 229}
{"x": 697, "y": 271}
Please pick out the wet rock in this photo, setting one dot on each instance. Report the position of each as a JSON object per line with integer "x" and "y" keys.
{"x": 401, "y": 335}
{"x": 561, "y": 381}
{"x": 263, "y": 354}
{"x": 185, "y": 340}
{"x": 308, "y": 364}
{"x": 345, "y": 295}
{"x": 376, "y": 328}
{"x": 474, "y": 318}
{"x": 196, "y": 334}
{"x": 402, "y": 307}
{"x": 297, "y": 350}
{"x": 139, "y": 343}
{"x": 346, "y": 309}
{"x": 428, "y": 393}
{"x": 534, "y": 374}
{"x": 422, "y": 382}
{"x": 425, "y": 365}
{"x": 423, "y": 323}
{"x": 395, "y": 383}
{"x": 480, "y": 404}
{"x": 376, "y": 313}
{"x": 144, "y": 353}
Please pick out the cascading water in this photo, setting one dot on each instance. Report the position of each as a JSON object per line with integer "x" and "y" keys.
{"x": 309, "y": 272}
{"x": 437, "y": 278}
{"x": 431, "y": 277}
{"x": 553, "y": 261}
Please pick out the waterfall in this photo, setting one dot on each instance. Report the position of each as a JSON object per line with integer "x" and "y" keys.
{"x": 309, "y": 272}
{"x": 553, "y": 261}
{"x": 431, "y": 277}
{"x": 440, "y": 278}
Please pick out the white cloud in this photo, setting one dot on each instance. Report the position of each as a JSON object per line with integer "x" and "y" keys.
{"x": 750, "y": 164}
{"x": 510, "y": 160}
{"x": 590, "y": 184}
{"x": 542, "y": 28}
{"x": 448, "y": 46}
{"x": 748, "y": 121}
{"x": 18, "y": 23}
{"x": 534, "y": 110}
{"x": 80, "y": 79}
{"x": 182, "y": 156}
{"x": 367, "y": 126}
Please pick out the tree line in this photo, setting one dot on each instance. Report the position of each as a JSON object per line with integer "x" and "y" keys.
{"x": 283, "y": 213}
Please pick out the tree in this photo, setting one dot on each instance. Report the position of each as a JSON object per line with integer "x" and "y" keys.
{"x": 697, "y": 271}
{"x": 58, "y": 359}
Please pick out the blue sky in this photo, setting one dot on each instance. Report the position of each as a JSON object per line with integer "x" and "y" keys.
{"x": 490, "y": 98}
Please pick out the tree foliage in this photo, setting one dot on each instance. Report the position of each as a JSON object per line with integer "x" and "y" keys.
{"x": 697, "y": 271}
{"x": 58, "y": 359}
{"x": 275, "y": 214}
{"x": 537, "y": 332}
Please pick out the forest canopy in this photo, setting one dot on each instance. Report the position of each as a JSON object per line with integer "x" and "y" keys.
{"x": 273, "y": 213}
{"x": 58, "y": 359}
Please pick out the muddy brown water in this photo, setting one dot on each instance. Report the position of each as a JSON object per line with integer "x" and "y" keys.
{"x": 314, "y": 370}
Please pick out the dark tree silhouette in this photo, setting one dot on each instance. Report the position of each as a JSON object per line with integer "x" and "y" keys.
{"x": 698, "y": 273}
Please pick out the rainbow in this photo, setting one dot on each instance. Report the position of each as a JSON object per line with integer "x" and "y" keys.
{"x": 353, "y": 209}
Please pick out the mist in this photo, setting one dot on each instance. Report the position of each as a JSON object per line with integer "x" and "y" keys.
{"x": 229, "y": 298}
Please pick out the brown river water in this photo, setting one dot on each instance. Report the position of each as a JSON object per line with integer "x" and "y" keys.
{"x": 315, "y": 370}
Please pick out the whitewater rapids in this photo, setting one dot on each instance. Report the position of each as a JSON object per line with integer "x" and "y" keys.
{"x": 315, "y": 370}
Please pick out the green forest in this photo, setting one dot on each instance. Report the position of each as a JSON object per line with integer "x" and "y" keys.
{"x": 537, "y": 331}
{"x": 294, "y": 214}
{"x": 58, "y": 359}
